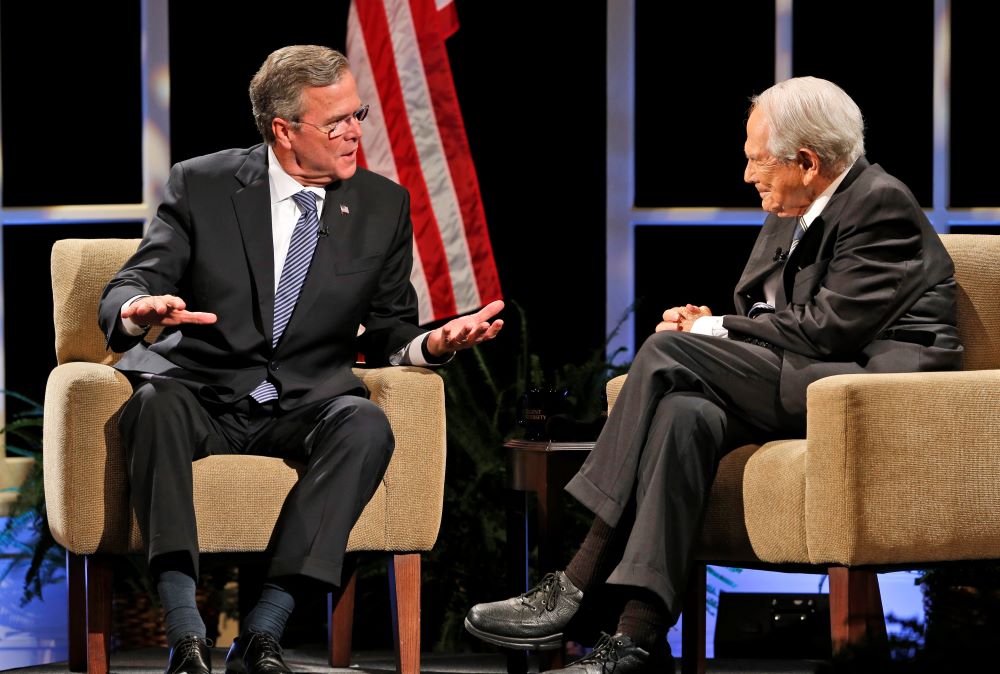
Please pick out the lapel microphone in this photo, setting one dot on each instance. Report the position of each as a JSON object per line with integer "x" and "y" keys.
{"x": 323, "y": 231}
{"x": 779, "y": 256}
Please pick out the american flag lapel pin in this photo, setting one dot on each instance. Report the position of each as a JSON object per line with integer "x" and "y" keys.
{"x": 344, "y": 210}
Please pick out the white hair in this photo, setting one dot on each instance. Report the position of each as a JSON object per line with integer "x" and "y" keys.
{"x": 813, "y": 113}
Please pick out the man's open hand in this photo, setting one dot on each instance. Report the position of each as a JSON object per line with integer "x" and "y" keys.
{"x": 465, "y": 332}
{"x": 164, "y": 310}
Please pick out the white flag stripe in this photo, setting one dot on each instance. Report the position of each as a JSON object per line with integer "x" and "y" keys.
{"x": 433, "y": 161}
{"x": 375, "y": 136}
{"x": 375, "y": 144}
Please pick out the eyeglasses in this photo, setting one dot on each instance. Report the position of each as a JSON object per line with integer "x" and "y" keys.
{"x": 339, "y": 128}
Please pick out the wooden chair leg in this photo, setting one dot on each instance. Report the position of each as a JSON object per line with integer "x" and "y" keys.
{"x": 342, "y": 623}
{"x": 694, "y": 627}
{"x": 76, "y": 582}
{"x": 404, "y": 592}
{"x": 98, "y": 591}
{"x": 857, "y": 623}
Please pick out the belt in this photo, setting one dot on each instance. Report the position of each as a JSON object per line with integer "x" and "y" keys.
{"x": 921, "y": 337}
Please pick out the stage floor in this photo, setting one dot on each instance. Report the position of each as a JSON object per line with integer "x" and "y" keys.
{"x": 153, "y": 661}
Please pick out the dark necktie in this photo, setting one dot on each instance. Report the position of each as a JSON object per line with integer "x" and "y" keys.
{"x": 293, "y": 275}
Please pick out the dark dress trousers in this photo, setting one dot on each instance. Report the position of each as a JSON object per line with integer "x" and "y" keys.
{"x": 869, "y": 288}
{"x": 211, "y": 244}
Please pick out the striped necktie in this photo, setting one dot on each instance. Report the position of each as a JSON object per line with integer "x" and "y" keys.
{"x": 293, "y": 276}
{"x": 800, "y": 229}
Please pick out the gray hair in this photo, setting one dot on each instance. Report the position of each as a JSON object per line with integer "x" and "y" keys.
{"x": 813, "y": 113}
{"x": 276, "y": 89}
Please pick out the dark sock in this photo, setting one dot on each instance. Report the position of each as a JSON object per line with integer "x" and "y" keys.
{"x": 594, "y": 560}
{"x": 644, "y": 618}
{"x": 180, "y": 610}
{"x": 272, "y": 610}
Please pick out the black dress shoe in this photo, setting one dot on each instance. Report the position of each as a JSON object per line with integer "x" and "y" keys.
{"x": 255, "y": 653}
{"x": 534, "y": 620}
{"x": 190, "y": 655}
{"x": 620, "y": 655}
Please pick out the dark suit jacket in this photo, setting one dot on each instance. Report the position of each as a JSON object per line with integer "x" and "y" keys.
{"x": 870, "y": 288}
{"x": 210, "y": 244}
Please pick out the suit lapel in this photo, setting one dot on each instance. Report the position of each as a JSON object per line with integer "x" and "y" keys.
{"x": 837, "y": 202}
{"x": 252, "y": 204}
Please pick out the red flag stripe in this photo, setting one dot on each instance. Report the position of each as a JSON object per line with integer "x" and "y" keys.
{"x": 375, "y": 30}
{"x": 447, "y": 17}
{"x": 437, "y": 67}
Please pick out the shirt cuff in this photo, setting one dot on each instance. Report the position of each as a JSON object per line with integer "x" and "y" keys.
{"x": 130, "y": 327}
{"x": 709, "y": 325}
{"x": 416, "y": 353}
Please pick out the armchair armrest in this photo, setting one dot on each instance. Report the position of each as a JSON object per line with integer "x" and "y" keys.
{"x": 413, "y": 400}
{"x": 903, "y": 467}
{"x": 86, "y": 494}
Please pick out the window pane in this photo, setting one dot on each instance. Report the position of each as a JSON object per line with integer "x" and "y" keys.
{"x": 213, "y": 56}
{"x": 883, "y": 59}
{"x": 690, "y": 114}
{"x": 72, "y": 103}
{"x": 973, "y": 68}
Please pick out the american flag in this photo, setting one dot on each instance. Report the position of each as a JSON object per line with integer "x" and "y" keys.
{"x": 414, "y": 135}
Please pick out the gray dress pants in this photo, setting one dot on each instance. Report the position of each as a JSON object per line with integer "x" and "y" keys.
{"x": 688, "y": 400}
{"x": 344, "y": 445}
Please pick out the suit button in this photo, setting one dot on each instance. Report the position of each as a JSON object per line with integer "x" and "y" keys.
{"x": 274, "y": 365}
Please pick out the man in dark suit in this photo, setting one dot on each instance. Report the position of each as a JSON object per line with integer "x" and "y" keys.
{"x": 846, "y": 276}
{"x": 270, "y": 268}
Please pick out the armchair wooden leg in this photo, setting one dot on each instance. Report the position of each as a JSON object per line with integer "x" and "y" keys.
{"x": 693, "y": 630}
{"x": 404, "y": 592}
{"x": 342, "y": 623}
{"x": 857, "y": 623}
{"x": 98, "y": 591}
{"x": 76, "y": 582}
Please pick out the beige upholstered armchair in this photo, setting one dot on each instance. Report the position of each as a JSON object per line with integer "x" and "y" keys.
{"x": 896, "y": 471}
{"x": 87, "y": 495}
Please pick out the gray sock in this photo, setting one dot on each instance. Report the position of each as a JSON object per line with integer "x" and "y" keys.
{"x": 271, "y": 612}
{"x": 180, "y": 611}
